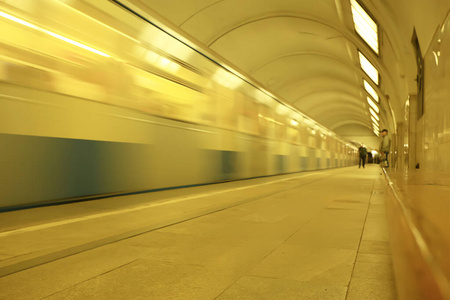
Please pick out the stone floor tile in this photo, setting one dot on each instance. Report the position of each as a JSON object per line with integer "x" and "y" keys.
{"x": 373, "y": 270}
{"x": 332, "y": 237}
{"x": 374, "y": 258}
{"x": 303, "y": 263}
{"x": 374, "y": 247}
{"x": 258, "y": 288}
{"x": 371, "y": 289}
{"x": 376, "y": 230}
{"x": 298, "y": 243}
{"x": 38, "y": 282}
{"x": 148, "y": 279}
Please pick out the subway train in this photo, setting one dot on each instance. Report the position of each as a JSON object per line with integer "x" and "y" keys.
{"x": 97, "y": 101}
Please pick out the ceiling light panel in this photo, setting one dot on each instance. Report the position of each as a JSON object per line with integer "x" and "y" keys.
{"x": 369, "y": 89}
{"x": 368, "y": 68}
{"x": 373, "y": 105}
{"x": 375, "y": 127}
{"x": 375, "y": 121}
{"x": 365, "y": 26}
{"x": 374, "y": 114}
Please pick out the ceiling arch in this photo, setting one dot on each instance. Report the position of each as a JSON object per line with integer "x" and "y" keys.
{"x": 235, "y": 12}
{"x": 310, "y": 85}
{"x": 281, "y": 70}
{"x": 304, "y": 53}
{"x": 276, "y": 15}
{"x": 326, "y": 109}
{"x": 199, "y": 11}
{"x": 259, "y": 41}
{"x": 334, "y": 117}
{"x": 301, "y": 51}
{"x": 313, "y": 100}
{"x": 349, "y": 122}
{"x": 291, "y": 69}
{"x": 327, "y": 92}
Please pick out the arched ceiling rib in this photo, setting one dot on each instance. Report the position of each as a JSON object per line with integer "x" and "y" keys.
{"x": 309, "y": 85}
{"x": 291, "y": 69}
{"x": 279, "y": 16}
{"x": 304, "y": 53}
{"x": 192, "y": 15}
{"x": 313, "y": 102}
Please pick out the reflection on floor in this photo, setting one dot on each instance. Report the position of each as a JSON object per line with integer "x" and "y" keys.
{"x": 316, "y": 235}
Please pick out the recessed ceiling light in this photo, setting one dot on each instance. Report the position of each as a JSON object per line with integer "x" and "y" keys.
{"x": 365, "y": 26}
{"x": 369, "y": 89}
{"x": 375, "y": 127}
{"x": 374, "y": 114}
{"x": 368, "y": 68}
{"x": 375, "y": 121}
{"x": 372, "y": 104}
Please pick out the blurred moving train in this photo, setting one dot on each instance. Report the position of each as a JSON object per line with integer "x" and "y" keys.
{"x": 97, "y": 100}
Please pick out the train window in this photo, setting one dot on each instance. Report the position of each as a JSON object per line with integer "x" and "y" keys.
{"x": 248, "y": 119}
{"x": 226, "y": 111}
{"x": 263, "y": 122}
{"x": 303, "y": 134}
{"x": 280, "y": 131}
{"x": 295, "y": 136}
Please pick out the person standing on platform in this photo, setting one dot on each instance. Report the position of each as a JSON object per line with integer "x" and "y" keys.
{"x": 385, "y": 146}
{"x": 362, "y": 156}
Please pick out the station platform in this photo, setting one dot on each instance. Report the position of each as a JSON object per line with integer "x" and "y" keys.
{"x": 312, "y": 235}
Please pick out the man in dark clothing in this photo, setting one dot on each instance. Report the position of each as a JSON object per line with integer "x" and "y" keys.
{"x": 362, "y": 156}
{"x": 385, "y": 147}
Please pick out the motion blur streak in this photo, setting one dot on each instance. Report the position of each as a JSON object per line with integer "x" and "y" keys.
{"x": 153, "y": 113}
{"x": 52, "y": 34}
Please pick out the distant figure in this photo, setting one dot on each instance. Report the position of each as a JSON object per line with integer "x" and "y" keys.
{"x": 362, "y": 156}
{"x": 385, "y": 146}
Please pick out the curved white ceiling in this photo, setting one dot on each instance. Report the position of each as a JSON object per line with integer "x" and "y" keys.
{"x": 305, "y": 51}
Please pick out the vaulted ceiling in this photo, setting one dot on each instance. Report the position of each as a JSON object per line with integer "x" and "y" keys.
{"x": 306, "y": 51}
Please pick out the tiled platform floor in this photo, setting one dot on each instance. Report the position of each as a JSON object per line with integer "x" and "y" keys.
{"x": 316, "y": 235}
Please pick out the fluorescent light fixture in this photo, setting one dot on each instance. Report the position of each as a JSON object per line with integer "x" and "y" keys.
{"x": 375, "y": 126}
{"x": 294, "y": 122}
{"x": 374, "y": 114}
{"x": 376, "y": 133}
{"x": 67, "y": 40}
{"x": 365, "y": 26}
{"x": 373, "y": 105}
{"x": 375, "y": 121}
{"x": 368, "y": 68}
{"x": 369, "y": 89}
